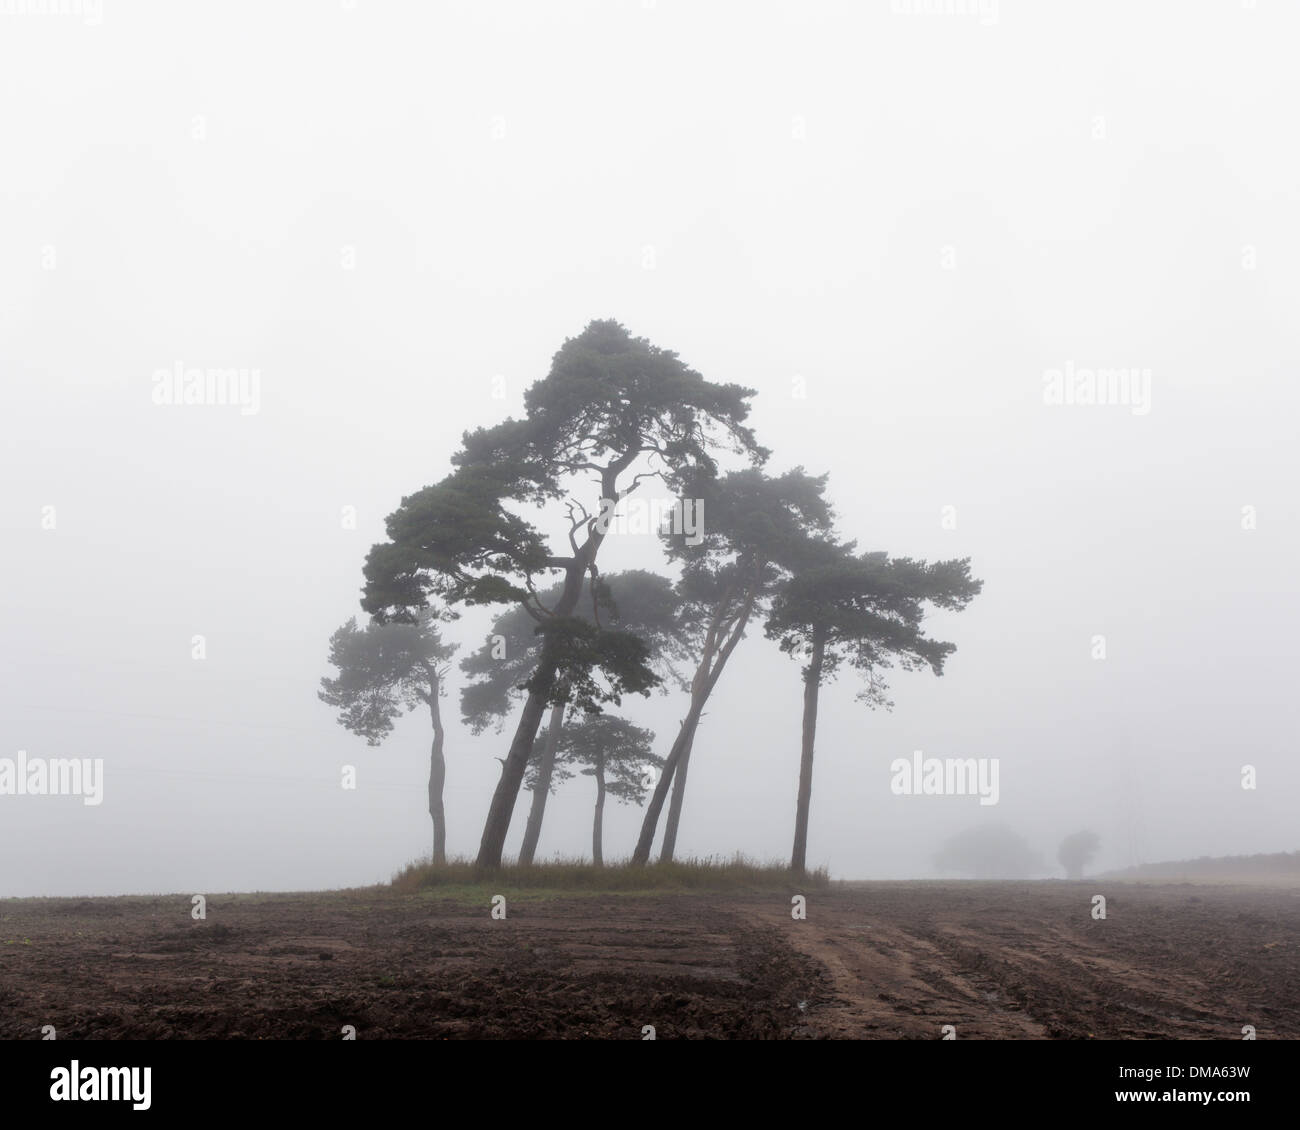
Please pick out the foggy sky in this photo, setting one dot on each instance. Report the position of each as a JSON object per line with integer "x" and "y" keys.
{"x": 912, "y": 217}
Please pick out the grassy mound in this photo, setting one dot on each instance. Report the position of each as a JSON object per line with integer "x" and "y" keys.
{"x": 711, "y": 873}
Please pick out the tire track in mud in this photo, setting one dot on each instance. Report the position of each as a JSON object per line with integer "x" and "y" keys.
{"x": 1019, "y": 963}
{"x": 890, "y": 982}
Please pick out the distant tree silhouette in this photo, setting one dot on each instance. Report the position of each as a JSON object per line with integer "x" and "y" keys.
{"x": 1076, "y": 852}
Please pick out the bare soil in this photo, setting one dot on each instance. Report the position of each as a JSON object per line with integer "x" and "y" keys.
{"x": 872, "y": 960}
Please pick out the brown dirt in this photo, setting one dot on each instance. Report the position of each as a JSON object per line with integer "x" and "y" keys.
{"x": 1027, "y": 961}
{"x": 879, "y": 960}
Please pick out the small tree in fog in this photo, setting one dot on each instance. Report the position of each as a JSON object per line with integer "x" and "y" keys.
{"x": 384, "y": 671}
{"x": 989, "y": 851}
{"x": 616, "y": 754}
{"x": 1076, "y": 852}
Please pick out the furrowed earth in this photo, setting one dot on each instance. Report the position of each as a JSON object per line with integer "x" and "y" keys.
{"x": 872, "y": 960}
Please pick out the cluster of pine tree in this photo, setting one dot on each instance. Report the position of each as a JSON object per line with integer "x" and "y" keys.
{"x": 613, "y": 411}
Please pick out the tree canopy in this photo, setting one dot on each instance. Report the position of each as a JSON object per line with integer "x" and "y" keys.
{"x": 384, "y": 671}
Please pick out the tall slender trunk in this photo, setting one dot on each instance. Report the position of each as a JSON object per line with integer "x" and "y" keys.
{"x": 712, "y": 660}
{"x": 545, "y": 771}
{"x": 675, "y": 806}
{"x": 598, "y": 823}
{"x": 811, "y": 687}
{"x": 437, "y": 776}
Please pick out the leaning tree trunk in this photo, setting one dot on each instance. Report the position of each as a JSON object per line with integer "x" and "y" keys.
{"x": 706, "y": 678}
{"x": 437, "y": 778}
{"x": 598, "y": 823}
{"x": 543, "y": 681}
{"x": 675, "y": 806}
{"x": 545, "y": 771}
{"x": 650, "y": 822}
{"x": 512, "y": 774}
{"x": 811, "y": 687}
{"x": 521, "y": 746}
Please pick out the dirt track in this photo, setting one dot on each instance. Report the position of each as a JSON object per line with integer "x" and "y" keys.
{"x": 882, "y": 960}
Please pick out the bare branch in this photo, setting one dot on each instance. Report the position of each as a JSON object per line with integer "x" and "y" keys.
{"x": 636, "y": 482}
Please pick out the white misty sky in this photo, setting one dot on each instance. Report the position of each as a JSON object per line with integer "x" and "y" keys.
{"x": 915, "y": 216}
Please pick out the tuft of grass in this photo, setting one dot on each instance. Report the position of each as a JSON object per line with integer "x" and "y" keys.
{"x": 710, "y": 873}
